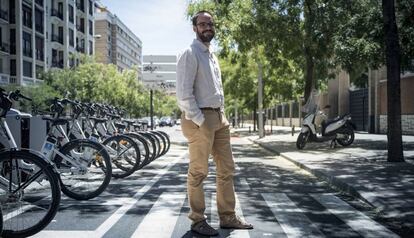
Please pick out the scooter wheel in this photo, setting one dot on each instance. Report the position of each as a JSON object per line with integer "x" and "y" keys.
{"x": 302, "y": 139}
{"x": 347, "y": 137}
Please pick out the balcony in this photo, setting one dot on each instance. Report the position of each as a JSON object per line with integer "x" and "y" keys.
{"x": 56, "y": 38}
{"x": 39, "y": 2}
{"x": 4, "y": 78}
{"x": 28, "y": 2}
{"x": 13, "y": 80}
{"x": 4, "y": 15}
{"x": 27, "y": 52}
{"x": 28, "y": 23}
{"x": 4, "y": 47}
{"x": 57, "y": 13}
{"x": 56, "y": 63}
{"x": 80, "y": 28}
{"x": 39, "y": 55}
{"x": 39, "y": 28}
{"x": 80, "y": 6}
{"x": 80, "y": 48}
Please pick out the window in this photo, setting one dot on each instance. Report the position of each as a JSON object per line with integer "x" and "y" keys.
{"x": 109, "y": 38}
{"x": 71, "y": 14}
{"x": 71, "y": 37}
{"x": 39, "y": 20}
{"x": 39, "y": 71}
{"x": 13, "y": 41}
{"x": 60, "y": 33}
{"x": 13, "y": 67}
{"x": 90, "y": 28}
{"x": 12, "y": 10}
{"x": 27, "y": 69}
{"x": 39, "y": 48}
{"x": 90, "y": 47}
{"x": 90, "y": 7}
{"x": 60, "y": 10}
{"x": 27, "y": 16}
{"x": 109, "y": 24}
{"x": 27, "y": 44}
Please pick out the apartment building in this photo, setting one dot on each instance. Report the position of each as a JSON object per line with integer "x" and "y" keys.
{"x": 116, "y": 43}
{"x": 37, "y": 35}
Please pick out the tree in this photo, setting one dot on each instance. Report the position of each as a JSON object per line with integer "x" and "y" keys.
{"x": 395, "y": 151}
{"x": 244, "y": 40}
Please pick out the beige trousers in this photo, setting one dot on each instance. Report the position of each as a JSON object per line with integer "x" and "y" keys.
{"x": 212, "y": 137}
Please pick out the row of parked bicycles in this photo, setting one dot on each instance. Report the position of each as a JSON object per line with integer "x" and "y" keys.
{"x": 80, "y": 155}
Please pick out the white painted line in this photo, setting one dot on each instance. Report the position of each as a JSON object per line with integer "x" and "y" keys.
{"x": 108, "y": 223}
{"x": 291, "y": 218}
{"x": 17, "y": 212}
{"x": 352, "y": 217}
{"x": 215, "y": 218}
{"x": 161, "y": 219}
{"x": 127, "y": 204}
{"x": 66, "y": 234}
{"x": 22, "y": 209}
{"x": 244, "y": 184}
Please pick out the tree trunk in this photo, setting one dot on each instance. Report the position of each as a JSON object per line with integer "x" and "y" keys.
{"x": 309, "y": 80}
{"x": 392, "y": 52}
{"x": 310, "y": 64}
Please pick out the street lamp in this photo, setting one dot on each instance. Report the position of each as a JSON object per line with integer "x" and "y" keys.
{"x": 151, "y": 68}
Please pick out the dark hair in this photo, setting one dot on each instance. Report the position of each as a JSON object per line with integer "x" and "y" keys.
{"x": 195, "y": 17}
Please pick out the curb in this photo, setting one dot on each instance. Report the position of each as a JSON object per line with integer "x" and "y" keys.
{"x": 332, "y": 181}
{"x": 182, "y": 143}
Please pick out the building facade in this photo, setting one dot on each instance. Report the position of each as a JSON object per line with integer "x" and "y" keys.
{"x": 116, "y": 43}
{"x": 37, "y": 35}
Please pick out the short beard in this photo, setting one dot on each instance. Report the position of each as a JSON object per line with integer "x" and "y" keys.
{"x": 205, "y": 39}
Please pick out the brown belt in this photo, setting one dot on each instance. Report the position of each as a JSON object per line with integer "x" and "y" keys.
{"x": 211, "y": 108}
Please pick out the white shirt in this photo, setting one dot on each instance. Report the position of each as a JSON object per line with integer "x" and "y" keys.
{"x": 198, "y": 81}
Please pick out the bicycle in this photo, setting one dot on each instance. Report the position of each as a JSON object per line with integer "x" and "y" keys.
{"x": 84, "y": 166}
{"x": 29, "y": 184}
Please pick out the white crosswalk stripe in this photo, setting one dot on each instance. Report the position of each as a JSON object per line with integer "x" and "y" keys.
{"x": 161, "y": 219}
{"x": 215, "y": 219}
{"x": 352, "y": 217}
{"x": 290, "y": 217}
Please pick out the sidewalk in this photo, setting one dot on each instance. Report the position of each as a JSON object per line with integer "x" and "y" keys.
{"x": 361, "y": 169}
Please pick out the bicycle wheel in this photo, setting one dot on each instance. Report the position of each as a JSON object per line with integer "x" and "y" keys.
{"x": 157, "y": 144}
{"x": 89, "y": 175}
{"x": 163, "y": 142}
{"x": 167, "y": 139}
{"x": 29, "y": 193}
{"x": 143, "y": 147}
{"x": 152, "y": 147}
{"x": 125, "y": 155}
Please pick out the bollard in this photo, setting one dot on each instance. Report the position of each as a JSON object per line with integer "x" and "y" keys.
{"x": 293, "y": 130}
{"x": 250, "y": 131}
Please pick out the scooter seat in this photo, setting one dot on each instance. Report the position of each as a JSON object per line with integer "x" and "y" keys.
{"x": 333, "y": 120}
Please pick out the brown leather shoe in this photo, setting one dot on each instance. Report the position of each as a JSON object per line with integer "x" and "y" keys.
{"x": 234, "y": 222}
{"x": 203, "y": 228}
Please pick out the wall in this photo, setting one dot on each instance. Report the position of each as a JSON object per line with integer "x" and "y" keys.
{"x": 407, "y": 105}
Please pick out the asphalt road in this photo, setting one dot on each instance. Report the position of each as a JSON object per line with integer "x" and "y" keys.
{"x": 280, "y": 200}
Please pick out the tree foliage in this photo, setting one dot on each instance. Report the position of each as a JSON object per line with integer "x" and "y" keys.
{"x": 96, "y": 82}
{"x": 316, "y": 37}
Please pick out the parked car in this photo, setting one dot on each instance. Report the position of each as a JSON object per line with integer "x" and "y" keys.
{"x": 167, "y": 121}
{"x": 148, "y": 119}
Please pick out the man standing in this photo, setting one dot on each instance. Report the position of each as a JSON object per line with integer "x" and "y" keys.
{"x": 201, "y": 100}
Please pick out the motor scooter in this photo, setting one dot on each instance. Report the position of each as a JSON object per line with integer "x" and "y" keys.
{"x": 317, "y": 128}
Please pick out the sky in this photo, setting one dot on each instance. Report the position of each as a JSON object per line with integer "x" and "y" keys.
{"x": 160, "y": 24}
